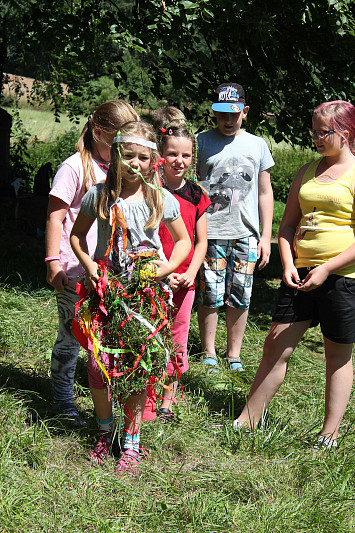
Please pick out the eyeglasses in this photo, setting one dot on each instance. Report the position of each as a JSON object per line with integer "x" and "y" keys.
{"x": 320, "y": 134}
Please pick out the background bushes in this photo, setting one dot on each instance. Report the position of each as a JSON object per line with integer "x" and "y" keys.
{"x": 288, "y": 161}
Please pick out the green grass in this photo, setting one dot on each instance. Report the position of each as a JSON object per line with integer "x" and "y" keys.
{"x": 42, "y": 124}
{"x": 199, "y": 478}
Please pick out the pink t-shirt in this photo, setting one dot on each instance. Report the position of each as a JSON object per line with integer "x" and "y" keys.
{"x": 68, "y": 187}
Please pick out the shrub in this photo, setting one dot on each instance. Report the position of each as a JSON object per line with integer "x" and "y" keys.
{"x": 279, "y": 208}
{"x": 28, "y": 155}
{"x": 287, "y": 162}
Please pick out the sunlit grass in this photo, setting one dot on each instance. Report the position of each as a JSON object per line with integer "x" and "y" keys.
{"x": 42, "y": 124}
{"x": 201, "y": 477}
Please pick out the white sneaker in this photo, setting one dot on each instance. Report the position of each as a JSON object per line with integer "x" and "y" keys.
{"x": 325, "y": 443}
{"x": 237, "y": 426}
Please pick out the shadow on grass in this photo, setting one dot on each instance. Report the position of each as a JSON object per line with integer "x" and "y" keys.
{"x": 22, "y": 262}
{"x": 221, "y": 397}
{"x": 36, "y": 392}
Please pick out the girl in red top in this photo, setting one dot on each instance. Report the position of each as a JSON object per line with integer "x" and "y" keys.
{"x": 177, "y": 146}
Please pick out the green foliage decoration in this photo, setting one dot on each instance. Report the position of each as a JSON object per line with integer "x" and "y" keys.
{"x": 128, "y": 315}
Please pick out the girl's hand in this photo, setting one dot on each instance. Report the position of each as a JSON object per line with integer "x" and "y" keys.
{"x": 186, "y": 280}
{"x": 92, "y": 276}
{"x": 315, "y": 278}
{"x": 163, "y": 270}
{"x": 56, "y": 276}
{"x": 291, "y": 277}
{"x": 174, "y": 281}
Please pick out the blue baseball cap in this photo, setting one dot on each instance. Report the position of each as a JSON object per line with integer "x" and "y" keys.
{"x": 229, "y": 98}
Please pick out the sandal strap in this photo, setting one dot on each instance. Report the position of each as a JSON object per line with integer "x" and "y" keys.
{"x": 209, "y": 356}
{"x": 165, "y": 411}
{"x": 233, "y": 359}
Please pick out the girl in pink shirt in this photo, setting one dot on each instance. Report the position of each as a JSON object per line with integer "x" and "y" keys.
{"x": 75, "y": 176}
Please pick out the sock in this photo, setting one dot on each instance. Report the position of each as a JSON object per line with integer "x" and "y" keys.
{"x": 130, "y": 442}
{"x": 105, "y": 425}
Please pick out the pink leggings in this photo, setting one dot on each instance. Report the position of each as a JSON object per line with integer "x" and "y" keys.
{"x": 181, "y": 316}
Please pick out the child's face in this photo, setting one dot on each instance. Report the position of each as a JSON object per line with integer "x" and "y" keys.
{"x": 230, "y": 123}
{"x": 177, "y": 153}
{"x": 137, "y": 158}
{"x": 326, "y": 143}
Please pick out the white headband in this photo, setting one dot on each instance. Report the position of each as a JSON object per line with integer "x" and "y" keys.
{"x": 135, "y": 140}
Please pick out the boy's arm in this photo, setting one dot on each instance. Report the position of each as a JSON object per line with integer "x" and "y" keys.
{"x": 188, "y": 278}
{"x": 266, "y": 209}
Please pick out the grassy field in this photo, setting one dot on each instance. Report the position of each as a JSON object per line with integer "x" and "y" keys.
{"x": 199, "y": 478}
{"x": 42, "y": 123}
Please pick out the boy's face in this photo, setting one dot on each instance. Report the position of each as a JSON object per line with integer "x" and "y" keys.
{"x": 230, "y": 123}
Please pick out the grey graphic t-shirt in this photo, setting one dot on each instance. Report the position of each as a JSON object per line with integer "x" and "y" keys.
{"x": 228, "y": 168}
{"x": 136, "y": 215}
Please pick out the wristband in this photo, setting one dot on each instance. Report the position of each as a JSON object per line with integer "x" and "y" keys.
{"x": 52, "y": 258}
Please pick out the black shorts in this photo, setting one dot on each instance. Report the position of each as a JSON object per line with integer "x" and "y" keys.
{"x": 332, "y": 305}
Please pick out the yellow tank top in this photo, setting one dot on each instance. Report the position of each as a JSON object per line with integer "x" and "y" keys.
{"x": 327, "y": 226}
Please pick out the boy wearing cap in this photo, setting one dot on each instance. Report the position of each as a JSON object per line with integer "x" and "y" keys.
{"x": 233, "y": 167}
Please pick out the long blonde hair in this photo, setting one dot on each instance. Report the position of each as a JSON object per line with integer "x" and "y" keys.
{"x": 113, "y": 185}
{"x": 109, "y": 117}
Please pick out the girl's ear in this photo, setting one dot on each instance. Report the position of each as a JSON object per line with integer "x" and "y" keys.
{"x": 345, "y": 136}
{"x": 97, "y": 133}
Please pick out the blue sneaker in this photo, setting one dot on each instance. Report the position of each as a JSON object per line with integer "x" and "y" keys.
{"x": 235, "y": 364}
{"x": 210, "y": 362}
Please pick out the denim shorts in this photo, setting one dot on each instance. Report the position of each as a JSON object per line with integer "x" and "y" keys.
{"x": 226, "y": 275}
{"x": 332, "y": 306}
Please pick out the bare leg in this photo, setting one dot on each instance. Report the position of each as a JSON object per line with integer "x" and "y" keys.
{"x": 207, "y": 321}
{"x": 236, "y": 321}
{"x": 168, "y": 395}
{"x": 339, "y": 380}
{"x": 135, "y": 406}
{"x": 102, "y": 403}
{"x": 278, "y": 347}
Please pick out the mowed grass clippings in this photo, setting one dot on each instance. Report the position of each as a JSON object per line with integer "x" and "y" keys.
{"x": 200, "y": 475}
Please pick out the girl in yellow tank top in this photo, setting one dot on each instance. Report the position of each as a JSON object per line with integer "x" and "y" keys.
{"x": 317, "y": 249}
{"x": 327, "y": 224}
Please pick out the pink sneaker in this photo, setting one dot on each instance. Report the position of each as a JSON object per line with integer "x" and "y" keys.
{"x": 102, "y": 447}
{"x": 129, "y": 462}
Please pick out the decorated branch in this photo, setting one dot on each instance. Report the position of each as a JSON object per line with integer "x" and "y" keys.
{"x": 127, "y": 318}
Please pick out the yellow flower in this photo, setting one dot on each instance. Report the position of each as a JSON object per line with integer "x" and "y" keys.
{"x": 149, "y": 271}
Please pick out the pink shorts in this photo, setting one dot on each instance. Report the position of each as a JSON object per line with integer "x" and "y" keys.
{"x": 96, "y": 378}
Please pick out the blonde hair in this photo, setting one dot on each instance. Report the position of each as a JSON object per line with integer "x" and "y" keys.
{"x": 109, "y": 117}
{"x": 168, "y": 116}
{"x": 113, "y": 185}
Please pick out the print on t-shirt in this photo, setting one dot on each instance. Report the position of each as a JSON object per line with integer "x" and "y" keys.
{"x": 230, "y": 183}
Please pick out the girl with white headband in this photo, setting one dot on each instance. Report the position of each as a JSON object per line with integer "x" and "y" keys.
{"x": 73, "y": 179}
{"x": 133, "y": 185}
